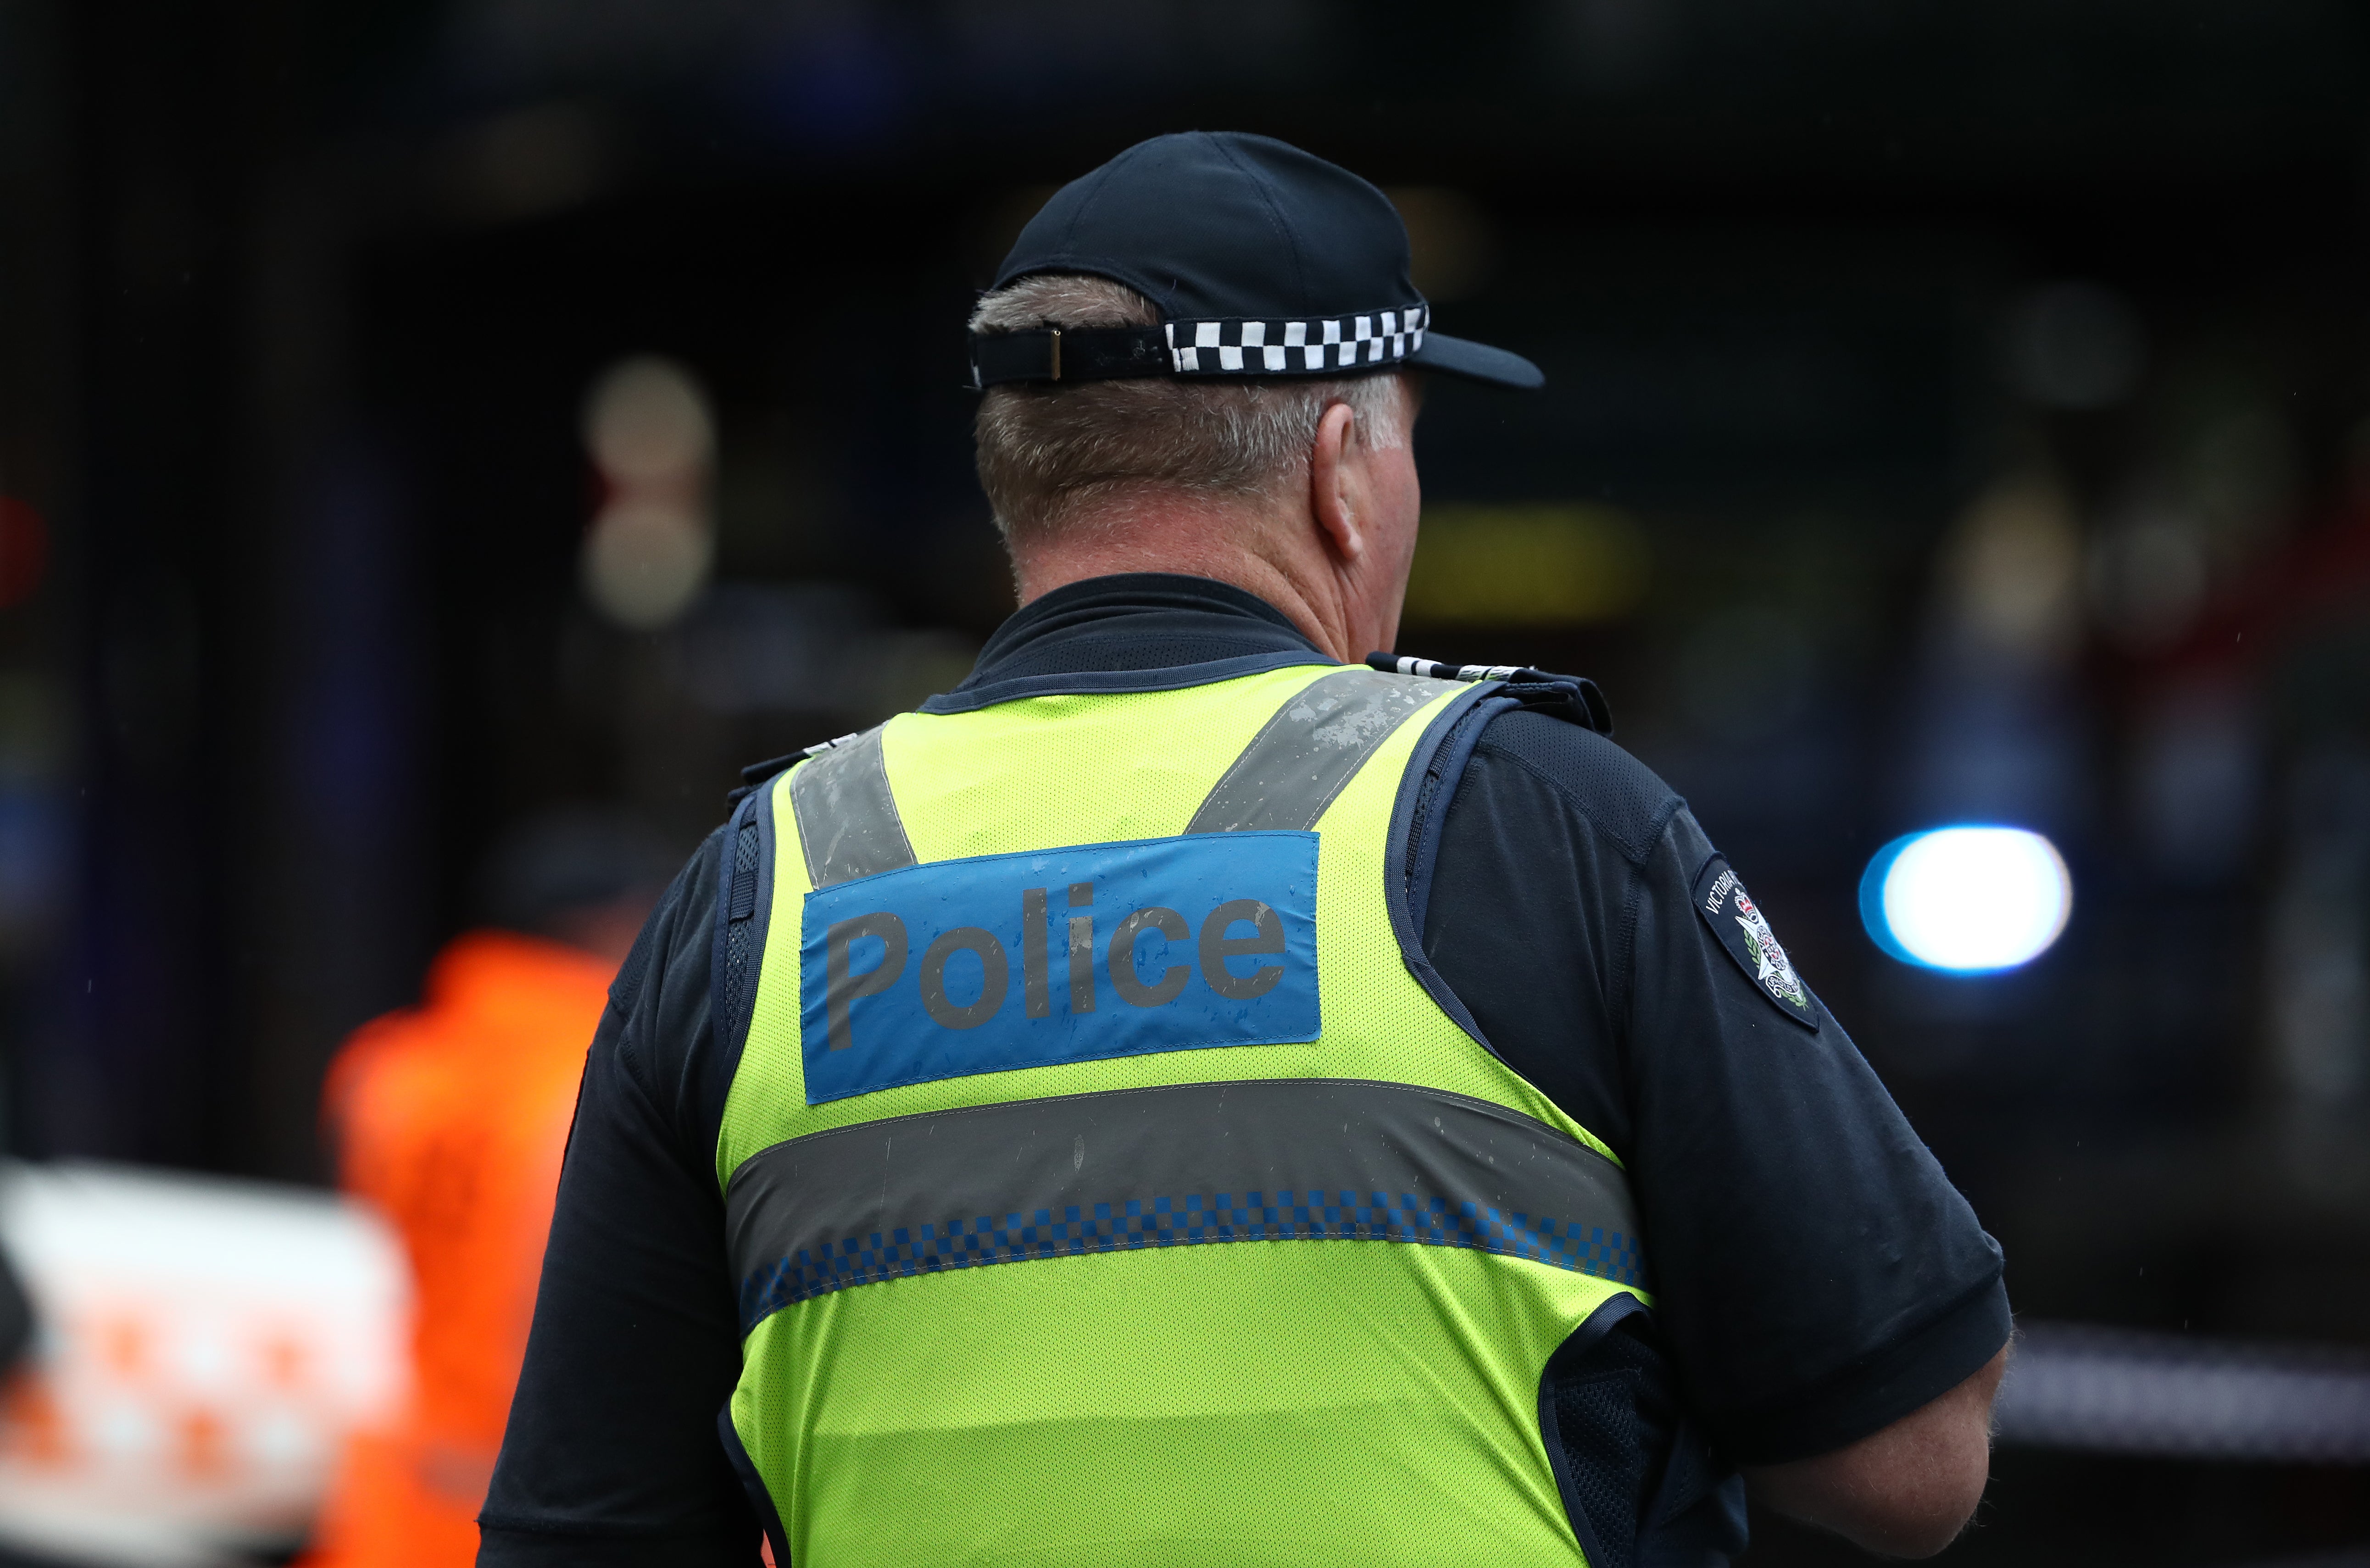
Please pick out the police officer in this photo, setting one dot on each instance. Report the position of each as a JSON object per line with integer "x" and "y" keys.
{"x": 1188, "y": 1095}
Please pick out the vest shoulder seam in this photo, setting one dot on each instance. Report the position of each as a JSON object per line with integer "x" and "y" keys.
{"x": 732, "y": 989}
{"x": 1395, "y": 847}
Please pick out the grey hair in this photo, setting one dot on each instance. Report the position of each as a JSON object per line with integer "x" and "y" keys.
{"x": 1048, "y": 452}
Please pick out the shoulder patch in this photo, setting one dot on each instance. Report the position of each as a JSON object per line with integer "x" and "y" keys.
{"x": 1744, "y": 931}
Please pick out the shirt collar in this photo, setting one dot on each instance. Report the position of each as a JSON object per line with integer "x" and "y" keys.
{"x": 1136, "y": 631}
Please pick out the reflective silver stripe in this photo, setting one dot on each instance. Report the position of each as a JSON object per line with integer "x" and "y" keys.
{"x": 1312, "y": 746}
{"x": 1311, "y": 1159}
{"x": 848, "y": 824}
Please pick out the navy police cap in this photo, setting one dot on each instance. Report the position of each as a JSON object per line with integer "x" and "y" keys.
{"x": 1262, "y": 259}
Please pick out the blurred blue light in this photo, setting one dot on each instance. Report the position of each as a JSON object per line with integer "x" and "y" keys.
{"x": 1968, "y": 900}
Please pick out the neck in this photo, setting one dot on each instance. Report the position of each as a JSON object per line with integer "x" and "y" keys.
{"x": 1240, "y": 545}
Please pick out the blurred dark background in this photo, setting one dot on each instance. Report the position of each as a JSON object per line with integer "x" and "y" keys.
{"x": 1955, "y": 412}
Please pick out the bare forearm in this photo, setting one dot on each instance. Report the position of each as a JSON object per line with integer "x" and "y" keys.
{"x": 1907, "y": 1490}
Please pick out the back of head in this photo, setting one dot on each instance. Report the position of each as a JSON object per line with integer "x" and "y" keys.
{"x": 1261, "y": 283}
{"x": 1053, "y": 456}
{"x": 1175, "y": 327}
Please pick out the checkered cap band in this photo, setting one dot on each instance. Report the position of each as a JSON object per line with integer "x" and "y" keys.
{"x": 1298, "y": 348}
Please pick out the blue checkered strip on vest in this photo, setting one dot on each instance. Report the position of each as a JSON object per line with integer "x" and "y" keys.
{"x": 1192, "y": 1220}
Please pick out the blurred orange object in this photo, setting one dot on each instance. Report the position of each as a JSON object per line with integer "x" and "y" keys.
{"x": 452, "y": 1117}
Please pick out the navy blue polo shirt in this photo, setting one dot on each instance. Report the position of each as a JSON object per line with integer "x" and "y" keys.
{"x": 1817, "y": 1275}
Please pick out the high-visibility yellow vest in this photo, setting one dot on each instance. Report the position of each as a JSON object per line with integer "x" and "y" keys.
{"x": 1102, "y": 1185}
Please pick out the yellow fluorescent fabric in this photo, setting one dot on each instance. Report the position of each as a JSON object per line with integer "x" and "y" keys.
{"x": 1225, "y": 1421}
{"x": 1046, "y": 772}
{"x": 1259, "y": 1400}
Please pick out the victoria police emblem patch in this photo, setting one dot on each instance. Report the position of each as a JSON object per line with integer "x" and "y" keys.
{"x": 1744, "y": 931}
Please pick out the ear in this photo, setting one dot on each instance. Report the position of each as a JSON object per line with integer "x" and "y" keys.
{"x": 1337, "y": 490}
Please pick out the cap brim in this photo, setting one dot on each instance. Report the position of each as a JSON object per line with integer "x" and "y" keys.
{"x": 1477, "y": 361}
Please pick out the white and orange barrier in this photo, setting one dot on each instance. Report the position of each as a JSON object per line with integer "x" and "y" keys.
{"x": 203, "y": 1347}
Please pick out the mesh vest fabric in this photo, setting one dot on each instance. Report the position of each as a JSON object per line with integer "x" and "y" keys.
{"x": 1332, "y": 1380}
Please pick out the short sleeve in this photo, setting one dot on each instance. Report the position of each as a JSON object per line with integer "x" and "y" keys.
{"x": 1816, "y": 1275}
{"x": 612, "y": 1453}
{"x": 1819, "y": 1275}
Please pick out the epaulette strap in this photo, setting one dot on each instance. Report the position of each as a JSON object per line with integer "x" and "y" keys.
{"x": 1574, "y": 697}
{"x": 756, "y": 773}
{"x": 1433, "y": 669}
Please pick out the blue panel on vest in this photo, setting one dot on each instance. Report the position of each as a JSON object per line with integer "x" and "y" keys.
{"x": 1058, "y": 955}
